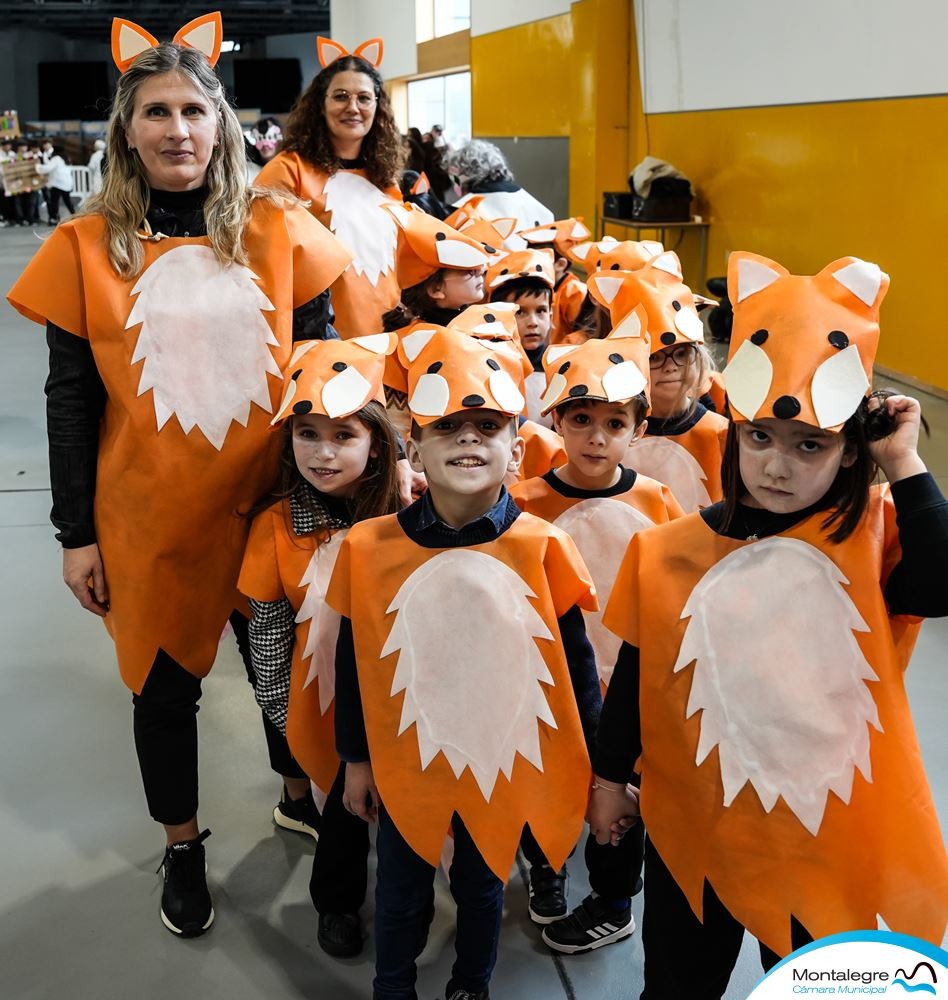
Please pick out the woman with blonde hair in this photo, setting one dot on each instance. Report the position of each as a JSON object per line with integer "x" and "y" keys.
{"x": 171, "y": 304}
{"x": 342, "y": 152}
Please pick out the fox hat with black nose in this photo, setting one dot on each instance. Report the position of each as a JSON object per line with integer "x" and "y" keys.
{"x": 335, "y": 378}
{"x": 449, "y": 371}
{"x": 521, "y": 264}
{"x": 802, "y": 346}
{"x": 425, "y": 245}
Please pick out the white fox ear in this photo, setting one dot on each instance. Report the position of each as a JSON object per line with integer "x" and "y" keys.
{"x": 753, "y": 276}
{"x": 504, "y": 226}
{"x": 581, "y": 250}
{"x": 606, "y": 286}
{"x": 667, "y": 262}
{"x": 415, "y": 343}
{"x": 862, "y": 279}
{"x": 377, "y": 343}
{"x": 303, "y": 348}
{"x": 580, "y": 231}
{"x": 557, "y": 351}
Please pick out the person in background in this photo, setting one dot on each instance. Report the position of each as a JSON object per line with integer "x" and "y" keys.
{"x": 26, "y": 203}
{"x": 481, "y": 168}
{"x": 7, "y": 205}
{"x": 96, "y": 163}
{"x": 263, "y": 141}
{"x": 59, "y": 182}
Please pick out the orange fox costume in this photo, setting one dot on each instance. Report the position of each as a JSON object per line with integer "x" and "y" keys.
{"x": 443, "y": 636}
{"x": 542, "y": 450}
{"x": 177, "y": 462}
{"x": 686, "y": 457}
{"x": 771, "y": 843}
{"x": 348, "y": 204}
{"x": 336, "y": 379}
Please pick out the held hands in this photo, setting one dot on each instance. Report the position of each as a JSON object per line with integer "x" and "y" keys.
{"x": 361, "y": 796}
{"x": 897, "y": 454}
{"x": 84, "y": 575}
{"x": 613, "y": 810}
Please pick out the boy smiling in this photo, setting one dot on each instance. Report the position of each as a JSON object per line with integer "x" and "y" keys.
{"x": 466, "y": 689}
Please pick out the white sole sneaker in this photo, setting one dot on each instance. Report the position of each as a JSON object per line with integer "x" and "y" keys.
{"x": 177, "y": 930}
{"x": 599, "y": 937}
{"x": 298, "y": 826}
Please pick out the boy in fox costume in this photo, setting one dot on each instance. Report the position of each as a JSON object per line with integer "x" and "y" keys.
{"x": 170, "y": 306}
{"x": 597, "y": 393}
{"x": 464, "y": 679}
{"x": 765, "y": 639}
{"x": 683, "y": 439}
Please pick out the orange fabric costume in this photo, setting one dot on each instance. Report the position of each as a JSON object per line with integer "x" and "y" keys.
{"x": 779, "y": 759}
{"x": 349, "y": 205}
{"x": 568, "y": 300}
{"x": 177, "y": 462}
{"x": 542, "y": 450}
{"x": 602, "y": 528}
{"x": 465, "y": 688}
{"x": 278, "y": 563}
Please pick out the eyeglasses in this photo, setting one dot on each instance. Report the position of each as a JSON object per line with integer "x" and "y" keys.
{"x": 343, "y": 97}
{"x": 682, "y": 355}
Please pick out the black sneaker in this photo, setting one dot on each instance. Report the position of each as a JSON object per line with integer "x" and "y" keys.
{"x": 593, "y": 924}
{"x": 300, "y": 815}
{"x": 185, "y": 902}
{"x": 340, "y": 934}
{"x": 450, "y": 994}
{"x": 547, "y": 894}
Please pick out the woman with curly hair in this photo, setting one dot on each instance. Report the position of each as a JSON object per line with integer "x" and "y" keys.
{"x": 342, "y": 152}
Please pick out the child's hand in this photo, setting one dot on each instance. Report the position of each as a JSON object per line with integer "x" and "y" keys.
{"x": 613, "y": 809}
{"x": 361, "y": 796}
{"x": 897, "y": 454}
{"x": 411, "y": 484}
{"x": 84, "y": 575}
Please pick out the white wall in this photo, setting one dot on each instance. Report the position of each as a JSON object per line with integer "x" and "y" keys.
{"x": 495, "y": 15}
{"x": 696, "y": 55}
{"x": 354, "y": 21}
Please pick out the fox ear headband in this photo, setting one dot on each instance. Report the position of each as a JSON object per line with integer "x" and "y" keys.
{"x": 328, "y": 51}
{"x": 129, "y": 40}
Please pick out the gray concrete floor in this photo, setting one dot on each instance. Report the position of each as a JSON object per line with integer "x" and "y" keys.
{"x": 78, "y": 892}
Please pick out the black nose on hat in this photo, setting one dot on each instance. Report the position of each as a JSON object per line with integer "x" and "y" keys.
{"x": 472, "y": 401}
{"x": 786, "y": 407}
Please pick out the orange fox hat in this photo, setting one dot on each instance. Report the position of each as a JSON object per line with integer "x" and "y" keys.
{"x": 426, "y": 245}
{"x": 493, "y": 321}
{"x": 521, "y": 264}
{"x": 490, "y": 232}
{"x": 802, "y": 347}
{"x": 657, "y": 285}
{"x": 328, "y": 51}
{"x": 615, "y": 255}
{"x": 614, "y": 369}
{"x": 129, "y": 40}
{"x": 449, "y": 371}
{"x": 335, "y": 377}
{"x": 564, "y": 234}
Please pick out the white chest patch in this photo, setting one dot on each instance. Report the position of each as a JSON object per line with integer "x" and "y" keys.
{"x": 469, "y": 665}
{"x": 320, "y": 648}
{"x": 204, "y": 341}
{"x": 778, "y": 676}
{"x": 534, "y": 385}
{"x": 356, "y": 217}
{"x": 602, "y": 529}
{"x": 664, "y": 459}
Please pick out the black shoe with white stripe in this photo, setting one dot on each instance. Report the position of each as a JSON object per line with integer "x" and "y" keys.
{"x": 186, "y": 907}
{"x": 593, "y": 924}
{"x": 547, "y": 889}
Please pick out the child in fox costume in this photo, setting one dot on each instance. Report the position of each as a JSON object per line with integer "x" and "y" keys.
{"x": 765, "y": 640}
{"x": 464, "y": 679}
{"x": 167, "y": 333}
{"x": 341, "y": 154}
{"x": 597, "y": 393}
{"x": 683, "y": 441}
{"x": 338, "y": 467}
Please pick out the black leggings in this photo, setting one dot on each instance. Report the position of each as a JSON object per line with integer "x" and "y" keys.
{"x": 165, "y": 725}
{"x": 687, "y": 957}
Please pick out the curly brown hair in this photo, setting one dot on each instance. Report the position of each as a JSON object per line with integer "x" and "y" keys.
{"x": 307, "y": 134}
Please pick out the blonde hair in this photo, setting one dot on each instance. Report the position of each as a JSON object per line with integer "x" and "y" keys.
{"x": 124, "y": 199}
{"x": 694, "y": 383}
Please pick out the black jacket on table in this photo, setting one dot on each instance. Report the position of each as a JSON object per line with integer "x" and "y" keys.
{"x": 75, "y": 393}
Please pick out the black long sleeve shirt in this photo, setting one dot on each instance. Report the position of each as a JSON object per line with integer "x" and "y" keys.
{"x": 76, "y": 395}
{"x": 422, "y": 525}
{"x": 916, "y": 586}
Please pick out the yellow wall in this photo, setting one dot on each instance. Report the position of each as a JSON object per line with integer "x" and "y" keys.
{"x": 520, "y": 79}
{"x": 807, "y": 184}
